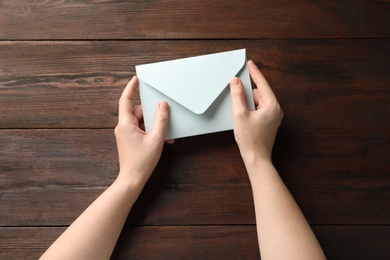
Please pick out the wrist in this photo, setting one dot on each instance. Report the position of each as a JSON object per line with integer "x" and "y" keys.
{"x": 255, "y": 164}
{"x": 253, "y": 158}
{"x": 131, "y": 181}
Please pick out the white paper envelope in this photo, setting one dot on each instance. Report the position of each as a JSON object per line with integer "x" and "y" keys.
{"x": 197, "y": 90}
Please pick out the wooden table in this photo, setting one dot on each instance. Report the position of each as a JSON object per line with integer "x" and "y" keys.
{"x": 64, "y": 64}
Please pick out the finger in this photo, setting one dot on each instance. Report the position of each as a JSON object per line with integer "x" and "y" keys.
{"x": 237, "y": 93}
{"x": 160, "y": 121}
{"x": 137, "y": 112}
{"x": 265, "y": 90}
{"x": 170, "y": 141}
{"x": 256, "y": 97}
{"x": 125, "y": 106}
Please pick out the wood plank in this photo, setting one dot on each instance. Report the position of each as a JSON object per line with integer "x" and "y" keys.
{"x": 40, "y": 158}
{"x": 331, "y": 151}
{"x": 202, "y": 242}
{"x": 191, "y": 19}
{"x": 319, "y": 83}
{"x": 337, "y": 177}
{"x": 356, "y": 158}
{"x": 185, "y": 204}
{"x": 240, "y": 242}
{"x": 159, "y": 205}
{"x": 146, "y": 242}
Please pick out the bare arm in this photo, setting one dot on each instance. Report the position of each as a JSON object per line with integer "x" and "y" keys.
{"x": 94, "y": 233}
{"x": 283, "y": 231}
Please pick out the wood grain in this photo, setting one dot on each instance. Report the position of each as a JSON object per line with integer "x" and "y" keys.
{"x": 194, "y": 242}
{"x": 64, "y": 64}
{"x": 337, "y": 176}
{"x": 88, "y": 158}
{"x": 319, "y": 83}
{"x": 193, "y": 19}
{"x": 185, "y": 204}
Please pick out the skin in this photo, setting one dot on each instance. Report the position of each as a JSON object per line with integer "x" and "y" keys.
{"x": 94, "y": 233}
{"x": 283, "y": 231}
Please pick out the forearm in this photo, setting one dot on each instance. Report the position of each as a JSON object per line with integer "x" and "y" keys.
{"x": 282, "y": 229}
{"x": 94, "y": 233}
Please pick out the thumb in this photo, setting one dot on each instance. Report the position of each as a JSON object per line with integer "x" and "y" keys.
{"x": 237, "y": 93}
{"x": 160, "y": 121}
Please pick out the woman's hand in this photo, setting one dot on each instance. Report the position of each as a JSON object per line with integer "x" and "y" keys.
{"x": 138, "y": 151}
{"x": 255, "y": 131}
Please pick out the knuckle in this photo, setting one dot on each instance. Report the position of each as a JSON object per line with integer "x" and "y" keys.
{"x": 163, "y": 118}
{"x": 157, "y": 138}
{"x": 117, "y": 130}
{"x": 237, "y": 92}
{"x": 124, "y": 124}
{"x": 240, "y": 112}
{"x": 281, "y": 112}
{"x": 275, "y": 106}
{"x": 273, "y": 103}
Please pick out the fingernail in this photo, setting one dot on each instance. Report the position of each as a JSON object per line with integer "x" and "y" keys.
{"x": 133, "y": 78}
{"x": 163, "y": 105}
{"x": 234, "y": 82}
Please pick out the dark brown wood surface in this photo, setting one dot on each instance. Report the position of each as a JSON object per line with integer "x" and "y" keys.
{"x": 64, "y": 64}
{"x": 162, "y": 19}
{"x": 197, "y": 242}
{"x": 315, "y": 80}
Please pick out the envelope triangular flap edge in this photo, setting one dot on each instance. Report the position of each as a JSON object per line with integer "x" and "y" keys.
{"x": 194, "y": 82}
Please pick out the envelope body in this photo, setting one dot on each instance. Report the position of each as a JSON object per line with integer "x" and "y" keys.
{"x": 197, "y": 91}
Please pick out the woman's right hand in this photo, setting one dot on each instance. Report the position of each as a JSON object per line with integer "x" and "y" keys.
{"x": 255, "y": 131}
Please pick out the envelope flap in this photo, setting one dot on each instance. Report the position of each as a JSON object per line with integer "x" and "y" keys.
{"x": 193, "y": 82}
